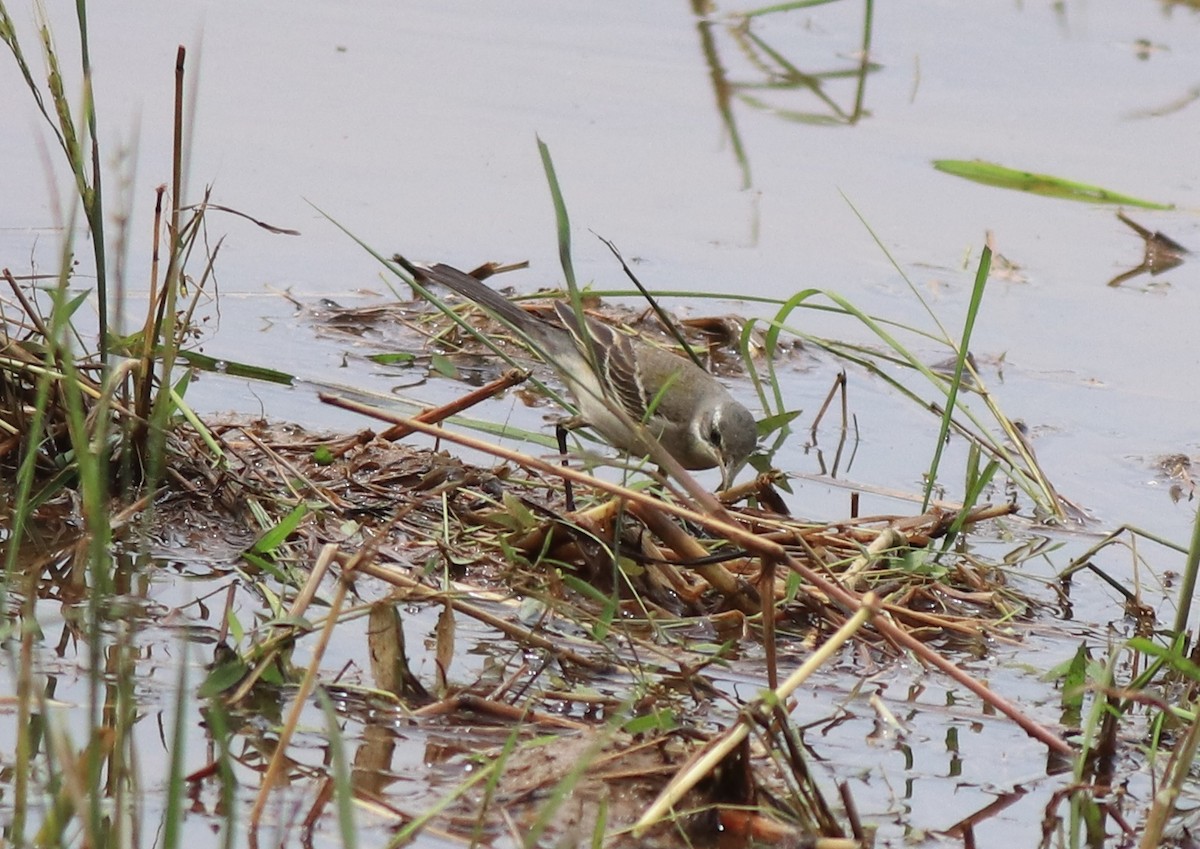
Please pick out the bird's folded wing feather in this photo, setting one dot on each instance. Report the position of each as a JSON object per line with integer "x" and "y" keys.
{"x": 616, "y": 361}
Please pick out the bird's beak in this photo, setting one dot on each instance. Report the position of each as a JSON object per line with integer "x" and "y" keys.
{"x": 729, "y": 471}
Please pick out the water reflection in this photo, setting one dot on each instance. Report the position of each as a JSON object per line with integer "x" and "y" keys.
{"x": 1161, "y": 253}
{"x": 772, "y": 79}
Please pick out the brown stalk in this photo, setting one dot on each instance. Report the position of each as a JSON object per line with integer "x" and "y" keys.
{"x": 886, "y": 541}
{"x": 738, "y": 592}
{"x": 149, "y": 330}
{"x": 717, "y": 523}
{"x": 703, "y": 762}
{"x": 478, "y": 704}
{"x": 515, "y": 632}
{"x": 279, "y": 758}
{"x": 436, "y": 414}
{"x": 33, "y": 317}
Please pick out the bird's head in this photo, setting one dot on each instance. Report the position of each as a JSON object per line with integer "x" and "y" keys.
{"x": 729, "y": 432}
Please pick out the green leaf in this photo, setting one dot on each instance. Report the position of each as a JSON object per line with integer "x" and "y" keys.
{"x": 991, "y": 174}
{"x": 608, "y": 605}
{"x": 1074, "y": 687}
{"x": 322, "y": 456}
{"x": 278, "y": 535}
{"x": 784, "y": 7}
{"x": 296, "y": 623}
{"x": 659, "y": 720}
{"x": 562, "y": 222}
{"x": 343, "y": 785}
{"x": 222, "y": 366}
{"x": 585, "y": 589}
{"x": 403, "y": 358}
{"x": 770, "y": 424}
{"x": 263, "y": 564}
{"x": 223, "y": 677}
{"x": 960, "y": 362}
{"x": 444, "y": 366}
{"x": 235, "y": 627}
{"x": 517, "y": 516}
{"x": 1170, "y": 655}
{"x": 921, "y": 561}
{"x": 273, "y": 674}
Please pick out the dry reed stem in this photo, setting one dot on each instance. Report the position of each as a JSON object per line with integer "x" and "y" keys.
{"x": 478, "y": 704}
{"x": 437, "y": 414}
{"x": 749, "y": 540}
{"x": 740, "y": 594}
{"x": 307, "y": 593}
{"x": 704, "y": 762}
{"x": 888, "y": 540}
{"x": 518, "y": 633}
{"x": 279, "y": 756}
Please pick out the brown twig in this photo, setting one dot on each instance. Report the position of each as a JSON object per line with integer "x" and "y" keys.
{"x": 398, "y": 579}
{"x": 491, "y": 707}
{"x": 718, "y": 523}
{"x": 740, "y": 594}
{"x": 300, "y": 701}
{"x": 703, "y": 762}
{"x": 436, "y": 414}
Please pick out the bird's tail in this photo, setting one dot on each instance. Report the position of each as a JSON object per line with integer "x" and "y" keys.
{"x": 474, "y": 290}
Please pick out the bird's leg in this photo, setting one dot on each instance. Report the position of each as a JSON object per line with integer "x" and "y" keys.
{"x": 560, "y": 431}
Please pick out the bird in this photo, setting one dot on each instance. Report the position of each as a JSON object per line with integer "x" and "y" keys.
{"x": 625, "y": 388}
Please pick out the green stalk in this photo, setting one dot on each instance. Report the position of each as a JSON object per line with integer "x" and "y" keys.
{"x": 175, "y": 779}
{"x": 162, "y": 408}
{"x": 93, "y": 201}
{"x": 1188, "y": 586}
{"x": 562, "y": 226}
{"x": 985, "y": 264}
{"x": 343, "y": 783}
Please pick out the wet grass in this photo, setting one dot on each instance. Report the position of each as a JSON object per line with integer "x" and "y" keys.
{"x": 600, "y": 714}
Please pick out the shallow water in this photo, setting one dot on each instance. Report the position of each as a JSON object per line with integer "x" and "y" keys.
{"x": 414, "y": 126}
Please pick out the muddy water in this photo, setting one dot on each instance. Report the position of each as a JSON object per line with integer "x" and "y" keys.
{"x": 414, "y": 126}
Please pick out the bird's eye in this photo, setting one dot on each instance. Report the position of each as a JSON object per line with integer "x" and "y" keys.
{"x": 714, "y": 436}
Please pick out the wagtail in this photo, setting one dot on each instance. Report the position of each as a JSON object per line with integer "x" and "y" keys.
{"x": 634, "y": 389}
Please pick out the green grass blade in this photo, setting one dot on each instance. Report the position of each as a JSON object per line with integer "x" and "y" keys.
{"x": 985, "y": 264}
{"x": 418, "y": 823}
{"x": 173, "y": 822}
{"x": 220, "y": 365}
{"x": 784, "y": 7}
{"x": 197, "y": 425}
{"x": 991, "y": 174}
{"x": 773, "y": 406}
{"x": 562, "y": 222}
{"x": 216, "y": 719}
{"x": 342, "y": 784}
{"x": 279, "y": 533}
{"x": 945, "y": 336}
{"x": 93, "y": 198}
{"x": 1188, "y": 588}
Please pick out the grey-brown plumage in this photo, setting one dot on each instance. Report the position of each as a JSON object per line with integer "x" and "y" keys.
{"x": 666, "y": 396}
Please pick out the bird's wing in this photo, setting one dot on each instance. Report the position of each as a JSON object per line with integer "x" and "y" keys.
{"x": 474, "y": 290}
{"x": 616, "y": 361}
